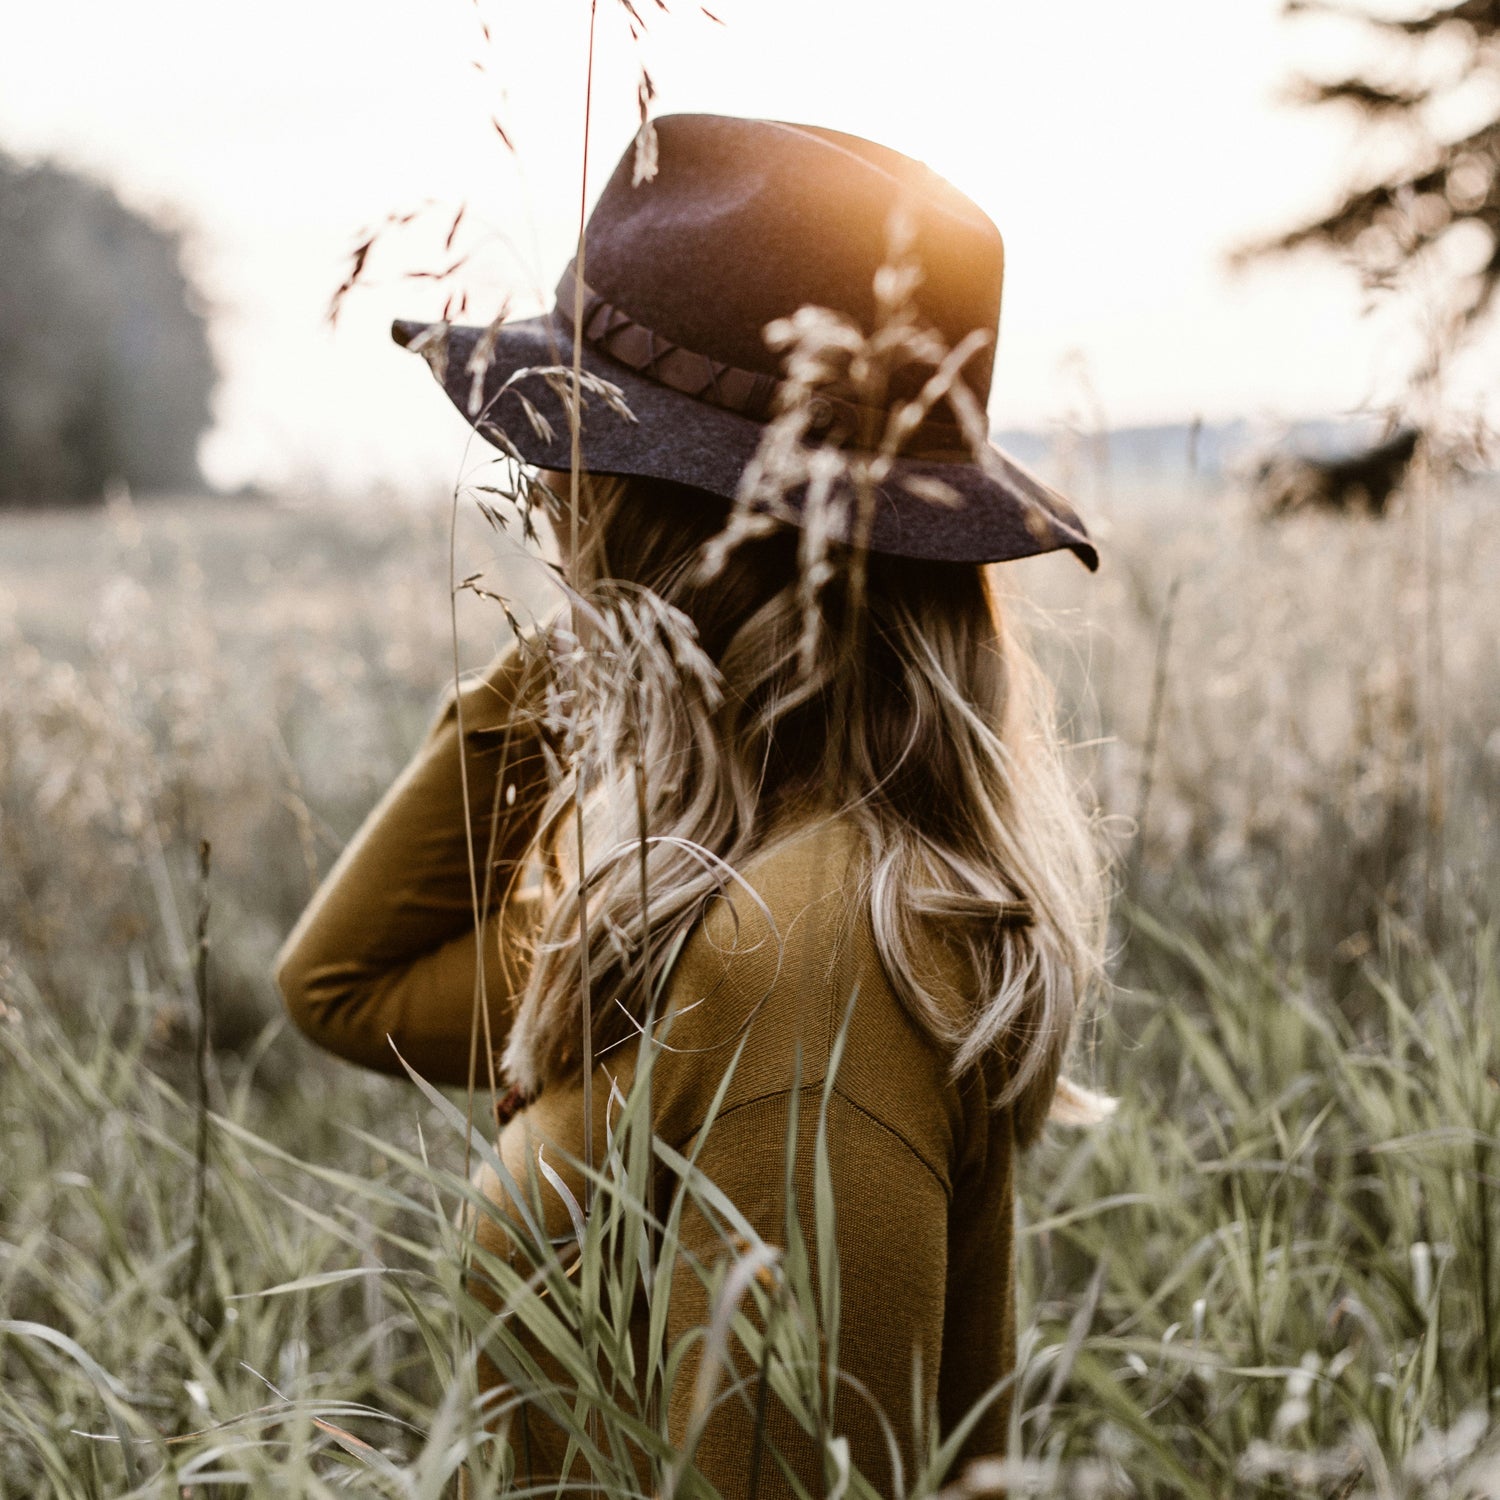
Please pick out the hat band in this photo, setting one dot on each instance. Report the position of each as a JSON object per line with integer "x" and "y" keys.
{"x": 748, "y": 392}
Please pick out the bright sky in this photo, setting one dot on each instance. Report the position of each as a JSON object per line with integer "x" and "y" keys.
{"x": 1122, "y": 149}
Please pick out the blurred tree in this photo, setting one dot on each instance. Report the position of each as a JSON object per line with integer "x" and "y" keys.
{"x": 105, "y": 367}
{"x": 1442, "y": 65}
{"x": 1433, "y": 91}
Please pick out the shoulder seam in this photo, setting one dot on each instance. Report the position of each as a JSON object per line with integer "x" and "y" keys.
{"x": 891, "y": 1130}
{"x": 816, "y": 1089}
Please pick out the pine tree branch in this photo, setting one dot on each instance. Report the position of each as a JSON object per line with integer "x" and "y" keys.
{"x": 1483, "y": 15}
{"x": 1369, "y": 98}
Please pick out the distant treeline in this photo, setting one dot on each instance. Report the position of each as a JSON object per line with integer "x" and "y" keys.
{"x": 105, "y": 368}
{"x": 1214, "y": 450}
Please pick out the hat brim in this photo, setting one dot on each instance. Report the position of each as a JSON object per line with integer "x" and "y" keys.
{"x": 999, "y": 511}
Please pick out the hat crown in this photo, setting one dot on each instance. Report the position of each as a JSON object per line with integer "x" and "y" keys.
{"x": 745, "y": 221}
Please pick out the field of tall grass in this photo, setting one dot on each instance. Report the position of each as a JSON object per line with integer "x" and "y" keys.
{"x": 1273, "y": 1272}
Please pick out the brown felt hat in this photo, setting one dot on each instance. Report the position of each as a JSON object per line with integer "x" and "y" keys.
{"x": 744, "y": 222}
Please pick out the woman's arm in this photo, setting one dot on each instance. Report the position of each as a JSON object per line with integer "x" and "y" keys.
{"x": 385, "y": 953}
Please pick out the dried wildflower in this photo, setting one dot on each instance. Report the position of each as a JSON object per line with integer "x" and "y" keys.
{"x": 432, "y": 345}
{"x": 624, "y": 651}
{"x": 809, "y": 472}
{"x": 645, "y": 138}
{"x": 480, "y": 356}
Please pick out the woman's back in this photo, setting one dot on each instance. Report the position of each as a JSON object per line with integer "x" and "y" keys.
{"x": 920, "y": 1166}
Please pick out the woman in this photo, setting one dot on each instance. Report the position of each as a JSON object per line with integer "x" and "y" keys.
{"x": 857, "y": 824}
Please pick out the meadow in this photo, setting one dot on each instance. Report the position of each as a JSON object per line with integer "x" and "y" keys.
{"x": 1273, "y": 1272}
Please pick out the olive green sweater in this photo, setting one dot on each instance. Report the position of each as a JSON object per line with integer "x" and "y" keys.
{"x": 921, "y": 1165}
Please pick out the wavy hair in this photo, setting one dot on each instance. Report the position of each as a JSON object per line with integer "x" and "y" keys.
{"x": 912, "y": 710}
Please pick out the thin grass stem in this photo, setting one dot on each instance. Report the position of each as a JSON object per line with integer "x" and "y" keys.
{"x": 198, "y": 1259}
{"x": 1154, "y": 718}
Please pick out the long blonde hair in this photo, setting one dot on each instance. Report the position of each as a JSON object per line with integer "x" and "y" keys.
{"x": 946, "y": 762}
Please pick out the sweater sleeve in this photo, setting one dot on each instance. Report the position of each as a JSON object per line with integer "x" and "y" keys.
{"x": 386, "y": 951}
{"x": 891, "y": 1234}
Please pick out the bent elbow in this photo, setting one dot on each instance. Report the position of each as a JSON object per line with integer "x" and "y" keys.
{"x": 294, "y": 978}
{"x": 342, "y": 1006}
{"x": 319, "y": 999}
